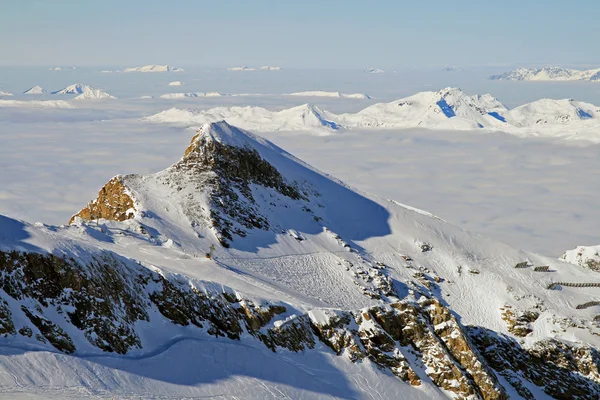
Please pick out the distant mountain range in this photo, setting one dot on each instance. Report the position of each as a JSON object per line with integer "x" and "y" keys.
{"x": 449, "y": 109}
{"x": 549, "y": 74}
{"x": 153, "y": 68}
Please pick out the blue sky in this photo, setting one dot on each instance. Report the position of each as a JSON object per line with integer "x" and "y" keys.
{"x": 307, "y": 33}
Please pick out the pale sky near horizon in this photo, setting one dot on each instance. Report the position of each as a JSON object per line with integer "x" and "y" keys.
{"x": 307, "y": 33}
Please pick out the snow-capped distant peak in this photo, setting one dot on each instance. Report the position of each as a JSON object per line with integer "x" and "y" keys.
{"x": 154, "y": 68}
{"x": 175, "y": 83}
{"x": 269, "y": 68}
{"x": 320, "y": 93}
{"x": 194, "y": 94}
{"x": 374, "y": 71}
{"x": 5, "y": 93}
{"x": 76, "y": 88}
{"x": 550, "y": 111}
{"x": 35, "y": 90}
{"x": 94, "y": 94}
{"x": 242, "y": 68}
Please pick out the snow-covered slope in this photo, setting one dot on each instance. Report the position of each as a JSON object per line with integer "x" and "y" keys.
{"x": 255, "y": 118}
{"x": 321, "y": 93}
{"x": 5, "y": 93}
{"x": 94, "y": 94}
{"x": 549, "y": 74}
{"x": 35, "y": 90}
{"x": 176, "y": 83}
{"x": 153, "y": 68}
{"x": 276, "y": 270}
{"x": 76, "y": 88}
{"x": 374, "y": 71}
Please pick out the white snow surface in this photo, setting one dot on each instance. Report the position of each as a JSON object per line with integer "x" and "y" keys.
{"x": 2, "y": 93}
{"x": 153, "y": 68}
{"x": 36, "y": 90}
{"x": 374, "y": 71}
{"x": 550, "y": 74}
{"x": 176, "y": 83}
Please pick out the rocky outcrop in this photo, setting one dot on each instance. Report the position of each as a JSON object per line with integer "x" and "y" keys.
{"x": 518, "y": 322}
{"x": 562, "y": 371}
{"x": 113, "y": 203}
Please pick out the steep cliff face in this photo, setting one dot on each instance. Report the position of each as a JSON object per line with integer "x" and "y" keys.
{"x": 113, "y": 203}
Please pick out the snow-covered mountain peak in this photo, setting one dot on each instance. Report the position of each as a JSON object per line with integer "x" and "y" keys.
{"x": 223, "y": 133}
{"x": 35, "y": 90}
{"x": 77, "y": 88}
{"x": 94, "y": 94}
{"x": 550, "y": 111}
